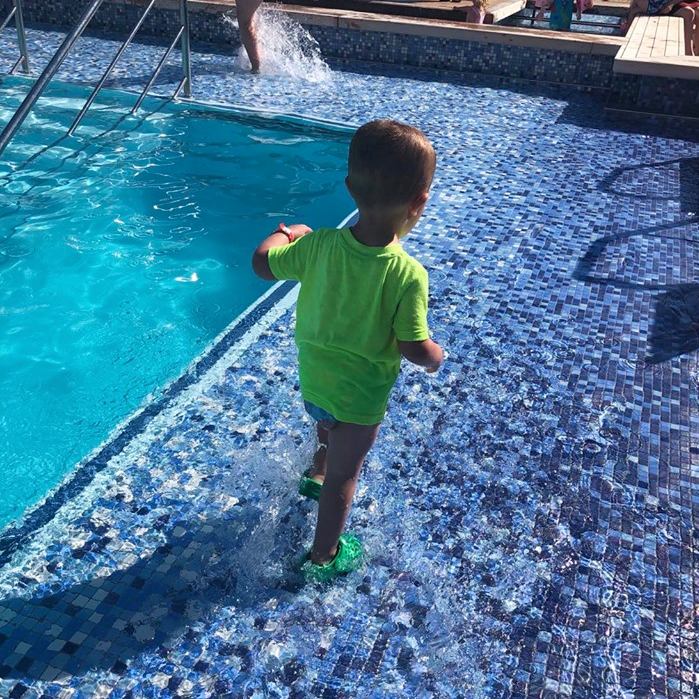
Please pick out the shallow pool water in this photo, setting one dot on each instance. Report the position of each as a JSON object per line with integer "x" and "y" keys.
{"x": 124, "y": 251}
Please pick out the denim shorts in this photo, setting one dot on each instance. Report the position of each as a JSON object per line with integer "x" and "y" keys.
{"x": 321, "y": 416}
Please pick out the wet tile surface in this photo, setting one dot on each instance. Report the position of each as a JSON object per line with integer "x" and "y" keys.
{"x": 529, "y": 512}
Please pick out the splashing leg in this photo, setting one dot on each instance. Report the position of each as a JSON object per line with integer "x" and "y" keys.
{"x": 248, "y": 32}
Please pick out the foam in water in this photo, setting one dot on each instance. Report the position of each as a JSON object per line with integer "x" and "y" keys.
{"x": 285, "y": 46}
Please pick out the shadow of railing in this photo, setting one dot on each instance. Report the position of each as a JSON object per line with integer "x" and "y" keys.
{"x": 587, "y": 114}
{"x": 675, "y": 329}
{"x": 688, "y": 181}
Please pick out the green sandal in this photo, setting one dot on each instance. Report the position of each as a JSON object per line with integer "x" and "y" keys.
{"x": 349, "y": 557}
{"x": 308, "y": 487}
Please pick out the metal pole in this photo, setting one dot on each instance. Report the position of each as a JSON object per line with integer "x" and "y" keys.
{"x": 21, "y": 37}
{"x": 179, "y": 88}
{"x": 51, "y": 69}
{"x": 8, "y": 18}
{"x": 186, "y": 49}
{"x": 155, "y": 75}
{"x": 108, "y": 72}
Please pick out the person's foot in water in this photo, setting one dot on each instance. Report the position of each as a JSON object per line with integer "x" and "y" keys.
{"x": 246, "y": 10}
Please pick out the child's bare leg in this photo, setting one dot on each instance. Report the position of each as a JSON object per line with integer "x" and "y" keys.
{"x": 320, "y": 459}
{"x": 347, "y": 448}
{"x": 248, "y": 35}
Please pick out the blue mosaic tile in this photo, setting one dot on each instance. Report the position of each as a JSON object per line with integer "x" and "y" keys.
{"x": 530, "y": 512}
{"x": 587, "y": 72}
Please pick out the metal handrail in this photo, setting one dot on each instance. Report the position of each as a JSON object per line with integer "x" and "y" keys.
{"x": 57, "y": 60}
{"x": 186, "y": 52}
{"x": 18, "y": 15}
{"x": 186, "y": 82}
{"x": 156, "y": 73}
{"x": 13, "y": 12}
{"x": 109, "y": 70}
{"x": 51, "y": 69}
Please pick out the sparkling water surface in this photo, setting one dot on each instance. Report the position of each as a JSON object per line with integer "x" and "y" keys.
{"x": 123, "y": 252}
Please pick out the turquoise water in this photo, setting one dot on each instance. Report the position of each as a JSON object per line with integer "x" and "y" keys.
{"x": 124, "y": 251}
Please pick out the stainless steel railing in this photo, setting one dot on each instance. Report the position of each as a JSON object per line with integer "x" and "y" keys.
{"x": 64, "y": 49}
{"x": 186, "y": 82}
{"x": 18, "y": 16}
{"x": 51, "y": 69}
{"x": 109, "y": 70}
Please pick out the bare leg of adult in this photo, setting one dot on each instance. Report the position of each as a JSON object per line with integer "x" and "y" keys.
{"x": 246, "y": 27}
{"x": 695, "y": 37}
{"x": 348, "y": 446}
{"x": 687, "y": 15}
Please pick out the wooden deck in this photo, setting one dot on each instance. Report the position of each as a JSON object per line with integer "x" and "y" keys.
{"x": 502, "y": 9}
{"x": 448, "y": 10}
{"x": 655, "y": 46}
{"x": 443, "y": 10}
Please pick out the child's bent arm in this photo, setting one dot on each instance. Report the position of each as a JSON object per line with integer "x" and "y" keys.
{"x": 425, "y": 353}
{"x": 260, "y": 263}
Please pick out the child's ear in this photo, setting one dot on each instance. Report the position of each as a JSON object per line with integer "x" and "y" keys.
{"x": 418, "y": 204}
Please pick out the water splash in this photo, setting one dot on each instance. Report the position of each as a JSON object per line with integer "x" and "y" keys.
{"x": 287, "y": 48}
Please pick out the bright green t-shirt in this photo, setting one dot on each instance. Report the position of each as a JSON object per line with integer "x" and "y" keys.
{"x": 355, "y": 302}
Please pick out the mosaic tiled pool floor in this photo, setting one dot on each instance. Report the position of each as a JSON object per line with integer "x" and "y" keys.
{"x": 530, "y": 512}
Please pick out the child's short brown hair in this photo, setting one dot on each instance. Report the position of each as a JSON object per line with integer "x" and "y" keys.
{"x": 389, "y": 164}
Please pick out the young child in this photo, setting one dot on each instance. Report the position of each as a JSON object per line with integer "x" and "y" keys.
{"x": 362, "y": 304}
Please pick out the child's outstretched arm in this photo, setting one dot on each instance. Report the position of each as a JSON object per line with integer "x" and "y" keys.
{"x": 425, "y": 353}
{"x": 260, "y": 263}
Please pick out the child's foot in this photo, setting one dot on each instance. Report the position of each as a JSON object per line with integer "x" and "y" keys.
{"x": 310, "y": 485}
{"x": 349, "y": 557}
{"x": 312, "y": 479}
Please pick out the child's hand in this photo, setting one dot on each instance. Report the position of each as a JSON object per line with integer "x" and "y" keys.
{"x": 299, "y": 229}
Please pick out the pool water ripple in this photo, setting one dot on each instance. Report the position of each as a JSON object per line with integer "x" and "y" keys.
{"x": 124, "y": 256}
